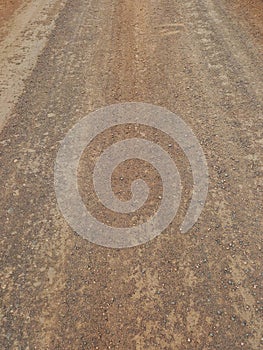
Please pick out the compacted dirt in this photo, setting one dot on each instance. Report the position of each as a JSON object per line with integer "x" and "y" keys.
{"x": 201, "y": 59}
{"x": 7, "y": 9}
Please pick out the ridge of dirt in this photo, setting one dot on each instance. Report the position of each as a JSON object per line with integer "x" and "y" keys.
{"x": 27, "y": 34}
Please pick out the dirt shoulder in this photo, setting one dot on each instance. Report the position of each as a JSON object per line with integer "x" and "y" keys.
{"x": 27, "y": 32}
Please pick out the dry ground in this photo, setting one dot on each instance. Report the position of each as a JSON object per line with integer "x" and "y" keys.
{"x": 201, "y": 59}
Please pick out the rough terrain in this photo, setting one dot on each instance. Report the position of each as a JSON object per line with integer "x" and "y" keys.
{"x": 201, "y": 59}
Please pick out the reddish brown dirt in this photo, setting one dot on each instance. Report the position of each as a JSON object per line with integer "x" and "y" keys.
{"x": 250, "y": 15}
{"x": 196, "y": 291}
{"x": 7, "y": 9}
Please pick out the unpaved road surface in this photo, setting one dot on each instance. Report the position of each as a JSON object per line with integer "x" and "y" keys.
{"x": 200, "y": 59}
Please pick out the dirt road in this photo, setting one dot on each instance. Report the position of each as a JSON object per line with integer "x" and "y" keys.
{"x": 200, "y": 290}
